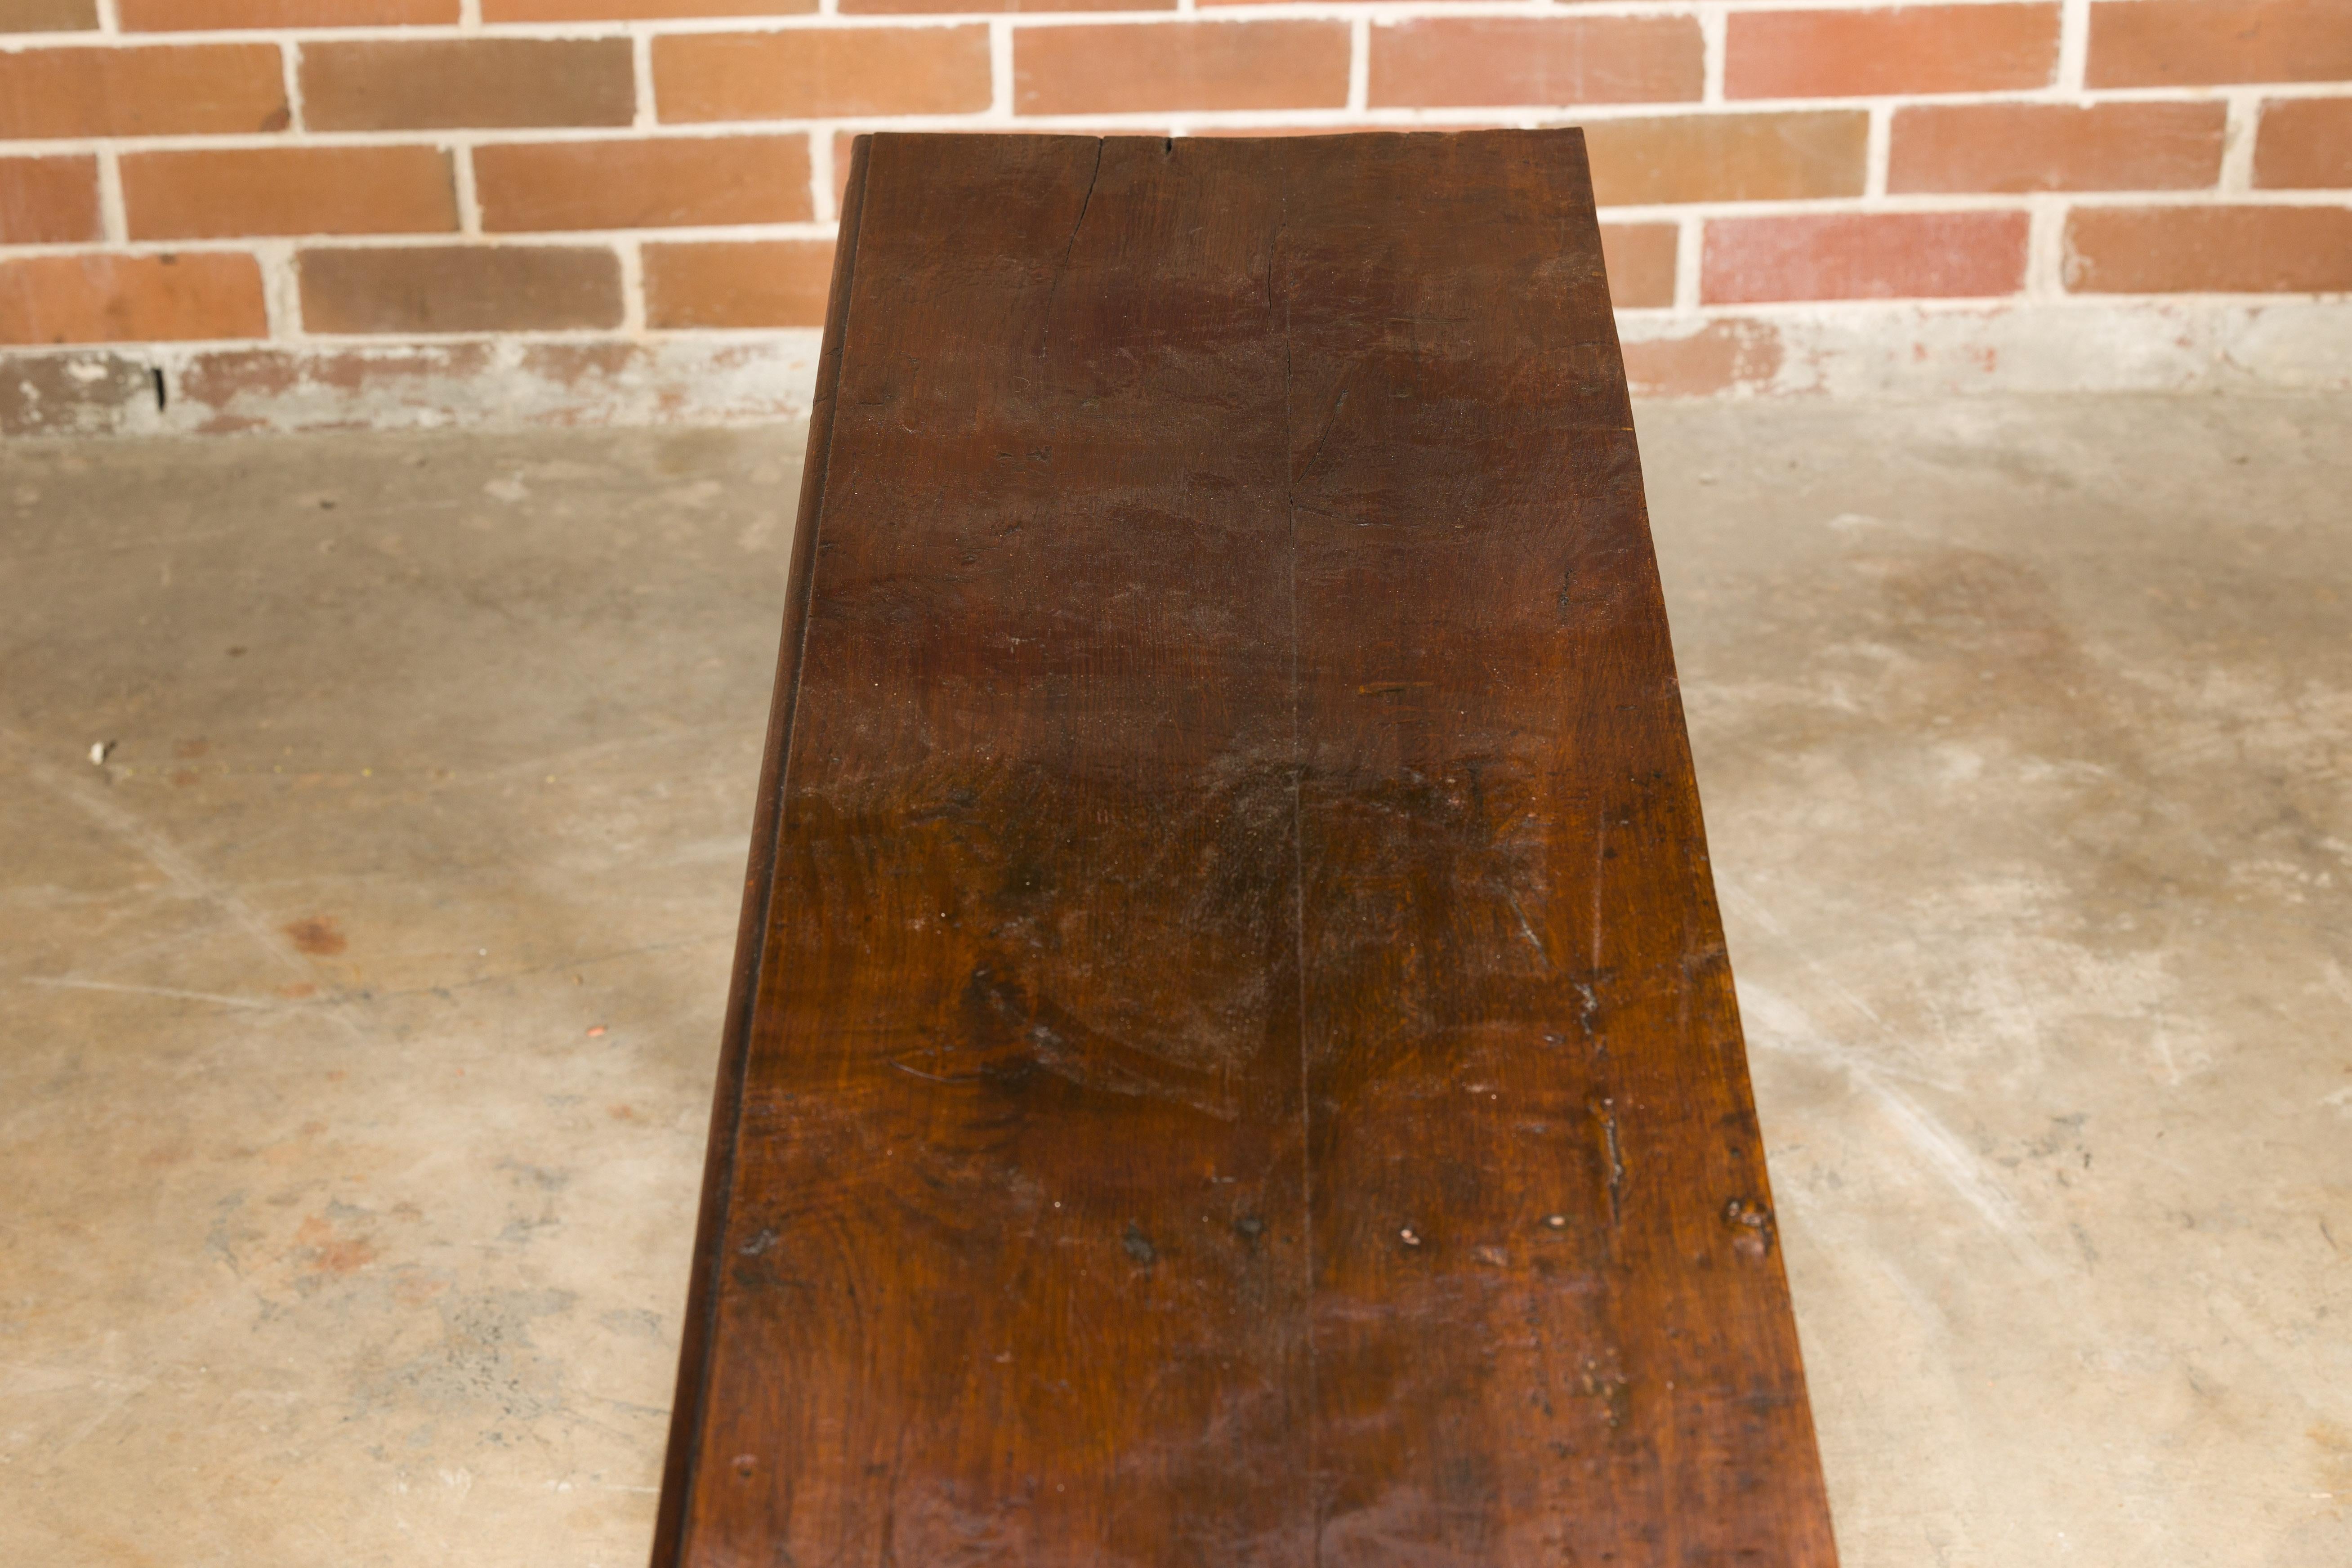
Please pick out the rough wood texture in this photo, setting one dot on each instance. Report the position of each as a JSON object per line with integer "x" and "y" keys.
{"x": 1234, "y": 1060}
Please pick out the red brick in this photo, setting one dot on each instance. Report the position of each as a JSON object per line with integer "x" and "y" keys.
{"x": 2305, "y": 144}
{"x": 1728, "y": 157}
{"x": 643, "y": 184}
{"x": 49, "y": 201}
{"x": 1454, "y": 61}
{"x": 47, "y": 15}
{"x": 635, "y": 10}
{"x": 447, "y": 83}
{"x": 1910, "y": 49}
{"x": 1641, "y": 260}
{"x": 417, "y": 289}
{"x": 131, "y": 299}
{"x": 192, "y": 16}
{"x": 821, "y": 72}
{"x": 2208, "y": 250}
{"x": 1197, "y": 66}
{"x": 2056, "y": 147}
{"x": 1722, "y": 356}
{"x": 750, "y": 283}
{"x": 2189, "y": 43}
{"x": 936, "y": 8}
{"x": 1862, "y": 256}
{"x": 188, "y": 89}
{"x": 288, "y": 190}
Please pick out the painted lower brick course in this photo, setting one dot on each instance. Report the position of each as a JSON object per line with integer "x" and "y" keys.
{"x": 283, "y": 204}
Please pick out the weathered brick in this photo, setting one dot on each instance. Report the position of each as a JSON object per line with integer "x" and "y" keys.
{"x": 2188, "y": 43}
{"x": 49, "y": 201}
{"x": 2305, "y": 144}
{"x": 446, "y": 83}
{"x": 635, "y": 10}
{"x": 850, "y": 70}
{"x": 2208, "y": 250}
{"x": 1448, "y": 60}
{"x": 643, "y": 182}
{"x": 288, "y": 190}
{"x": 166, "y": 90}
{"x": 1909, "y": 48}
{"x": 1721, "y": 356}
{"x": 459, "y": 289}
{"x": 51, "y": 394}
{"x": 192, "y": 16}
{"x": 1641, "y": 260}
{"x": 748, "y": 283}
{"x": 97, "y": 298}
{"x": 1189, "y": 65}
{"x": 1728, "y": 157}
{"x": 2056, "y": 147}
{"x": 1861, "y": 255}
{"x": 47, "y": 15}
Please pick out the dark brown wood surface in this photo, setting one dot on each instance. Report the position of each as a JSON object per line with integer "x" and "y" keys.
{"x": 1233, "y": 1059}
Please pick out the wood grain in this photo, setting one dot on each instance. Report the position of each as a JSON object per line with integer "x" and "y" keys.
{"x": 1234, "y": 1060}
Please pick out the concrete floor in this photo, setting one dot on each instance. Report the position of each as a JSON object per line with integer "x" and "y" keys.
{"x": 361, "y": 1004}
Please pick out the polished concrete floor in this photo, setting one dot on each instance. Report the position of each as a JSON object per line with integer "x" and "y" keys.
{"x": 360, "y": 992}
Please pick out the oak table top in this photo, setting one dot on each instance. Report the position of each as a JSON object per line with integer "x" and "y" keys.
{"x": 1233, "y": 1059}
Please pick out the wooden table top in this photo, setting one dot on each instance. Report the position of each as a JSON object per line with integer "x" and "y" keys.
{"x": 1232, "y": 1060}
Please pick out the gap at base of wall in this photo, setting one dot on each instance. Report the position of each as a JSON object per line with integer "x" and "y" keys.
{"x": 1895, "y": 350}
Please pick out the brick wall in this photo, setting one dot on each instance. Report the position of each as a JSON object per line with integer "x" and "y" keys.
{"x": 277, "y": 212}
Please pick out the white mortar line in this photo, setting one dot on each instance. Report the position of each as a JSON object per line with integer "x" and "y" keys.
{"x": 641, "y": 74}
{"x": 999, "y": 69}
{"x": 469, "y": 13}
{"x": 108, "y": 22}
{"x": 1713, "y": 26}
{"x": 469, "y": 201}
{"x": 1689, "y": 241}
{"x": 1876, "y": 150}
{"x": 281, "y": 290}
{"x": 289, "y": 65}
{"x": 2237, "y": 137}
{"x": 113, "y": 219}
{"x": 1359, "y": 65}
{"x": 633, "y": 287}
{"x": 2073, "y": 45}
{"x": 2045, "y": 245}
{"x": 822, "y": 175}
